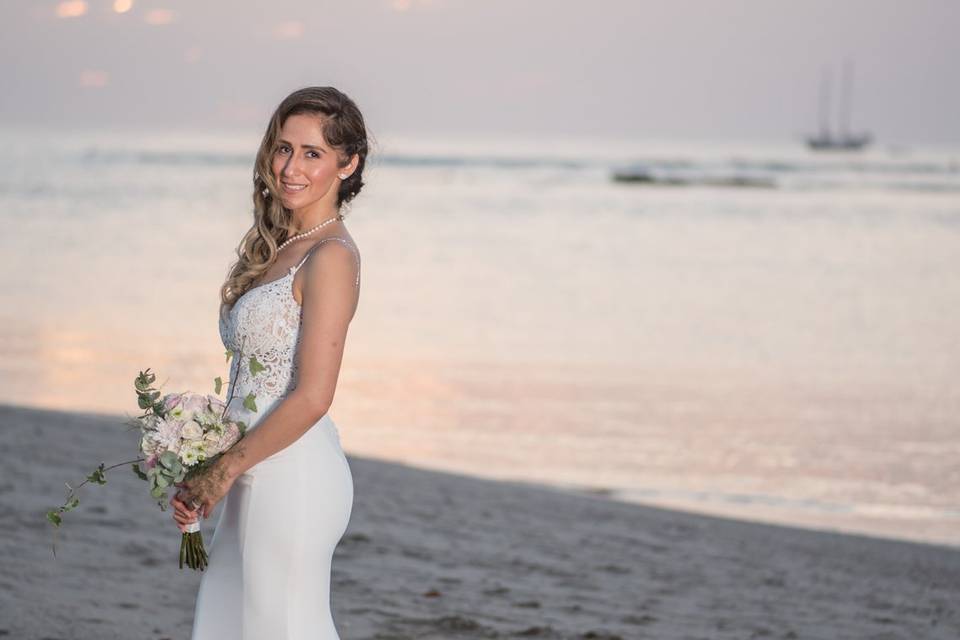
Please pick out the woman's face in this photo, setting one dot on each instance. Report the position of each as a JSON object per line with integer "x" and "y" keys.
{"x": 304, "y": 165}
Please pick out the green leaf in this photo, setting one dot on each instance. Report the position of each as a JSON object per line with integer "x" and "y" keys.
{"x": 248, "y": 402}
{"x": 217, "y": 385}
{"x": 255, "y": 366}
{"x": 229, "y": 354}
{"x": 97, "y": 475}
{"x": 54, "y": 517}
{"x": 168, "y": 458}
{"x": 144, "y": 380}
{"x": 136, "y": 470}
{"x": 163, "y": 481}
{"x": 72, "y": 503}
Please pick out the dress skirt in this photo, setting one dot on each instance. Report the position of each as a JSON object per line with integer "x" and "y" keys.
{"x": 268, "y": 576}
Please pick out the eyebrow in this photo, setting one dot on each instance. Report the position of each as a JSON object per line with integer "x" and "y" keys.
{"x": 305, "y": 146}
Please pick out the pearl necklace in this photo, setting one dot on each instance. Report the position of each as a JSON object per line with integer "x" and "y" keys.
{"x": 306, "y": 233}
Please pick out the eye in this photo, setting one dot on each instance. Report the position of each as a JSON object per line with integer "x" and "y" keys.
{"x": 281, "y": 148}
{"x": 315, "y": 154}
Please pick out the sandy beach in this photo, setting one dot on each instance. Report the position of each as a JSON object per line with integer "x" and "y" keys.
{"x": 437, "y": 555}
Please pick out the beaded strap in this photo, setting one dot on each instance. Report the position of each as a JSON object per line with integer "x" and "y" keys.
{"x": 346, "y": 242}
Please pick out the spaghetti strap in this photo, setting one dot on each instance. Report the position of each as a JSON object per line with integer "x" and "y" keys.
{"x": 346, "y": 242}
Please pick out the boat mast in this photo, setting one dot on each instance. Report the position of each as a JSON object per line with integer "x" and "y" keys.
{"x": 825, "y": 103}
{"x": 845, "y": 98}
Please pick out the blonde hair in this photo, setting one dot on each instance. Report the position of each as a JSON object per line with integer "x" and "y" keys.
{"x": 343, "y": 129}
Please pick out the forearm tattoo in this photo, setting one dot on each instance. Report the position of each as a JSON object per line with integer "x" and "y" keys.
{"x": 238, "y": 451}
{"x": 207, "y": 484}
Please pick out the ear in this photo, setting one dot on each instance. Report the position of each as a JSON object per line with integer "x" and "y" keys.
{"x": 352, "y": 165}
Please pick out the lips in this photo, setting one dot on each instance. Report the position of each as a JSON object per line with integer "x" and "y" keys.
{"x": 289, "y": 187}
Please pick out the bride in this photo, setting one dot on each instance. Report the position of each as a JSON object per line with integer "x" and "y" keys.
{"x": 286, "y": 487}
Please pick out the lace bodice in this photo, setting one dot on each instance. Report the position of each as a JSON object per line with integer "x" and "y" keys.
{"x": 265, "y": 321}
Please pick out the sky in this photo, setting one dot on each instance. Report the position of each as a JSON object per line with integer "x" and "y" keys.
{"x": 677, "y": 69}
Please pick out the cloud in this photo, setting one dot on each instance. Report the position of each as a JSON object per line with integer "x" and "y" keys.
{"x": 71, "y": 9}
{"x": 290, "y": 30}
{"x": 402, "y": 6}
{"x": 94, "y": 78}
{"x": 192, "y": 54}
{"x": 159, "y": 16}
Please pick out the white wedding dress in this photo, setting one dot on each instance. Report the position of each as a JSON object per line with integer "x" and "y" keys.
{"x": 271, "y": 551}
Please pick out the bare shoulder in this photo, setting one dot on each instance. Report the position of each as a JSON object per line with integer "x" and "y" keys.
{"x": 333, "y": 265}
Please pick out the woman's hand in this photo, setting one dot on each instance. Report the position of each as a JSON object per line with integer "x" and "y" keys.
{"x": 206, "y": 489}
{"x": 182, "y": 514}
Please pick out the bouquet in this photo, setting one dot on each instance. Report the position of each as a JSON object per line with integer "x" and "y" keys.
{"x": 181, "y": 434}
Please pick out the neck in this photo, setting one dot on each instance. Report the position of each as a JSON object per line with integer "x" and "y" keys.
{"x": 306, "y": 220}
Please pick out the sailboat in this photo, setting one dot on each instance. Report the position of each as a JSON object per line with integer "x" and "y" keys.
{"x": 824, "y": 140}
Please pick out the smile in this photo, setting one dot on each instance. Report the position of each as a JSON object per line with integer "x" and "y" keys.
{"x": 293, "y": 188}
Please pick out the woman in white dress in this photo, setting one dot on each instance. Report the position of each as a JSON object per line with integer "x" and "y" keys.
{"x": 287, "y": 489}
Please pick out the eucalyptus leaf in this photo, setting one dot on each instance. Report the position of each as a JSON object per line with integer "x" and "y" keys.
{"x": 217, "y": 385}
{"x": 144, "y": 380}
{"x": 248, "y": 403}
{"x": 168, "y": 458}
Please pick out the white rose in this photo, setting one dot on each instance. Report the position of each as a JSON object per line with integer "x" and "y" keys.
{"x": 191, "y": 431}
{"x": 149, "y": 444}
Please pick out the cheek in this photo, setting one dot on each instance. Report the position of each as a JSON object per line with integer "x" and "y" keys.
{"x": 322, "y": 175}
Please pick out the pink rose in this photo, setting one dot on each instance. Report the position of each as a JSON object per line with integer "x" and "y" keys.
{"x": 216, "y": 404}
{"x": 170, "y": 401}
{"x": 193, "y": 404}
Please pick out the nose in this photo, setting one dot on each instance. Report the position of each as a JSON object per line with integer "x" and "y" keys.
{"x": 291, "y": 167}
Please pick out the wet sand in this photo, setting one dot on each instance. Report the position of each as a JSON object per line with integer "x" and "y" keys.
{"x": 431, "y": 555}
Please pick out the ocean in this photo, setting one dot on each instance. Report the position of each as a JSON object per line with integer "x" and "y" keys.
{"x": 744, "y": 329}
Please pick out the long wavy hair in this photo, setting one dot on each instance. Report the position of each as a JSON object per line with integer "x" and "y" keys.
{"x": 343, "y": 128}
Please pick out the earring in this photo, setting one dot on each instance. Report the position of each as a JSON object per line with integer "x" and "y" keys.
{"x": 265, "y": 192}
{"x": 343, "y": 176}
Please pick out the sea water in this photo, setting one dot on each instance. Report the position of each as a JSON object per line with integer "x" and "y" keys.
{"x": 787, "y": 352}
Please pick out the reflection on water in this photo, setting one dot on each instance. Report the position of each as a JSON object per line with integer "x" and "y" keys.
{"x": 788, "y": 355}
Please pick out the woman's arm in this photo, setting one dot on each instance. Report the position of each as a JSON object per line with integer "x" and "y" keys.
{"x": 329, "y": 301}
